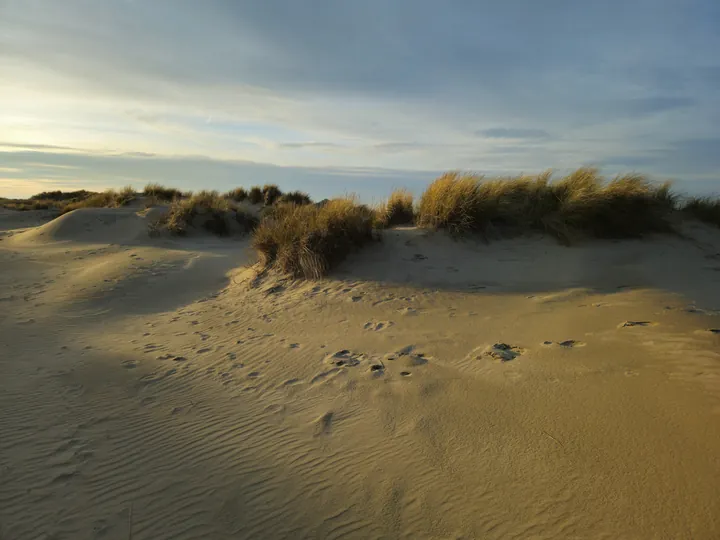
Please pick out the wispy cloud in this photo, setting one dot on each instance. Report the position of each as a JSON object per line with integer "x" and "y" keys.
{"x": 409, "y": 84}
{"x": 514, "y": 133}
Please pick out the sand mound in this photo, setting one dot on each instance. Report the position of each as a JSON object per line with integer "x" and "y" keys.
{"x": 14, "y": 219}
{"x": 93, "y": 225}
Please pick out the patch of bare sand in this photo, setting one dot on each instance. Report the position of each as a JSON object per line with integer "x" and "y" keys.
{"x": 430, "y": 389}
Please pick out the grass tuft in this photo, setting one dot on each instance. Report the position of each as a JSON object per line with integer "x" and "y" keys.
{"x": 256, "y": 195}
{"x": 208, "y": 210}
{"x": 107, "y": 199}
{"x": 238, "y": 194}
{"x": 271, "y": 193}
{"x": 705, "y": 209}
{"x": 47, "y": 200}
{"x": 396, "y": 210}
{"x": 309, "y": 240}
{"x": 581, "y": 203}
{"x": 162, "y": 193}
{"x": 295, "y": 197}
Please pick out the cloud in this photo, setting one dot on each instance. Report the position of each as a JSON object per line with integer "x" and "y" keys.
{"x": 409, "y": 84}
{"x": 28, "y": 146}
{"x": 98, "y": 171}
{"x": 310, "y": 145}
{"x": 652, "y": 105}
{"x": 514, "y": 133}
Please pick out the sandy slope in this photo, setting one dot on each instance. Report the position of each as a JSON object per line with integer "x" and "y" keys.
{"x": 150, "y": 392}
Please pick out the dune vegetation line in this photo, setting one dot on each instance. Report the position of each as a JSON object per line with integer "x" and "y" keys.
{"x": 307, "y": 239}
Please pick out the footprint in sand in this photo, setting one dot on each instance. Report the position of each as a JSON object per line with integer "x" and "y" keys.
{"x": 376, "y": 326}
{"x": 203, "y": 351}
{"x": 324, "y": 375}
{"x": 253, "y": 375}
{"x": 408, "y": 312}
{"x": 377, "y": 369}
{"x": 629, "y": 324}
{"x": 503, "y": 352}
{"x": 414, "y": 360}
{"x": 567, "y": 344}
{"x": 323, "y": 424}
{"x": 344, "y": 358}
{"x": 129, "y": 364}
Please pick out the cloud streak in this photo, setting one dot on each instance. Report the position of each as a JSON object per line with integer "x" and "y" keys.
{"x": 406, "y": 85}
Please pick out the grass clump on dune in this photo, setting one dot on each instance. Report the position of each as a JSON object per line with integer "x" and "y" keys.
{"x": 582, "y": 203}
{"x": 295, "y": 197}
{"x": 47, "y": 200}
{"x": 255, "y": 195}
{"x": 107, "y": 199}
{"x": 396, "y": 210}
{"x": 238, "y": 194}
{"x": 705, "y": 209}
{"x": 309, "y": 240}
{"x": 271, "y": 193}
{"x": 162, "y": 193}
{"x": 207, "y": 210}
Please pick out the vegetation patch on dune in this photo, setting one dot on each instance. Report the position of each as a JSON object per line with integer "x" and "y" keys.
{"x": 162, "y": 193}
{"x": 396, "y": 210}
{"x": 206, "y": 210}
{"x": 705, "y": 209}
{"x": 582, "y": 203}
{"x": 309, "y": 240}
{"x": 107, "y": 199}
{"x": 47, "y": 200}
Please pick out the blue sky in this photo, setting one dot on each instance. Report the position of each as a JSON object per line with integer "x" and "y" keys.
{"x": 332, "y": 96}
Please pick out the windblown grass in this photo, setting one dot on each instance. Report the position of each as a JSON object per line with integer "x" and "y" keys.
{"x": 106, "y": 199}
{"x": 47, "y": 200}
{"x": 256, "y": 195}
{"x": 162, "y": 193}
{"x": 238, "y": 194}
{"x": 582, "y": 203}
{"x": 271, "y": 193}
{"x": 295, "y": 197}
{"x": 396, "y": 210}
{"x": 267, "y": 195}
{"x": 309, "y": 240}
{"x": 705, "y": 209}
{"x": 208, "y": 210}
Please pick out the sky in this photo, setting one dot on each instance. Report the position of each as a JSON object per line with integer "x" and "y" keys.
{"x": 362, "y": 96}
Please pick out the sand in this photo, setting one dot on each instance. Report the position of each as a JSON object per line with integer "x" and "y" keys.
{"x": 155, "y": 388}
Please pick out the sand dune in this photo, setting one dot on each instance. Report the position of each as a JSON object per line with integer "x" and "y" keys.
{"x": 153, "y": 388}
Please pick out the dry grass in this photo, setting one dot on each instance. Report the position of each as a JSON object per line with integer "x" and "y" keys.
{"x": 238, "y": 194}
{"x": 47, "y": 200}
{"x": 295, "y": 197}
{"x": 396, "y": 210}
{"x": 256, "y": 195}
{"x": 309, "y": 240}
{"x": 582, "y": 203}
{"x": 106, "y": 199}
{"x": 705, "y": 209}
{"x": 271, "y": 193}
{"x": 208, "y": 210}
{"x": 162, "y": 193}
